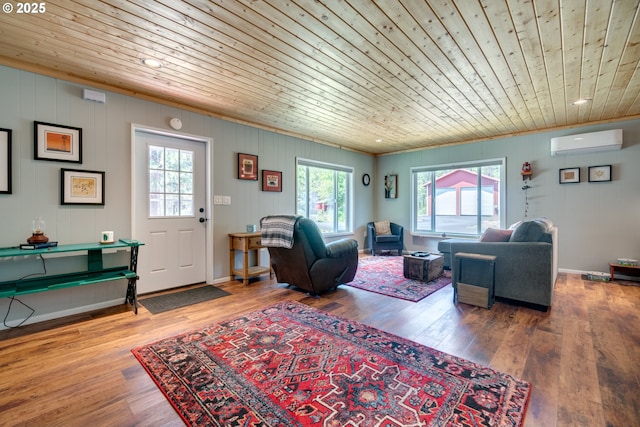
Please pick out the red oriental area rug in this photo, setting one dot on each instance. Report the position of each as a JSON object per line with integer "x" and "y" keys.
{"x": 384, "y": 275}
{"x": 292, "y": 365}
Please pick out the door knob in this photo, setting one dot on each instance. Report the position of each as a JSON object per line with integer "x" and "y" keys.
{"x": 202, "y": 219}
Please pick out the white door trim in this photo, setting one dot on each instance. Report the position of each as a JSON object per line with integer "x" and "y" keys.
{"x": 209, "y": 255}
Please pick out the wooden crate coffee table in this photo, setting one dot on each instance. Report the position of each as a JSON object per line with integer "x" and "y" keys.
{"x": 423, "y": 268}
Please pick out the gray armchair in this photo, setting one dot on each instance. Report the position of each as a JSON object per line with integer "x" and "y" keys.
{"x": 379, "y": 242}
{"x": 312, "y": 265}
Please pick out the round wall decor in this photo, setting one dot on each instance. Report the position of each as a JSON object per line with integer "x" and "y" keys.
{"x": 366, "y": 179}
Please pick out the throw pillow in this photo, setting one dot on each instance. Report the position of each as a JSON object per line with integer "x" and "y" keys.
{"x": 529, "y": 231}
{"x": 496, "y": 235}
{"x": 382, "y": 227}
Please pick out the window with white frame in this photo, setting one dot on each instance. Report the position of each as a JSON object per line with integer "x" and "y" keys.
{"x": 324, "y": 195}
{"x": 458, "y": 199}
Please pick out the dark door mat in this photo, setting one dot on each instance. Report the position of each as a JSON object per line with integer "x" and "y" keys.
{"x": 166, "y": 302}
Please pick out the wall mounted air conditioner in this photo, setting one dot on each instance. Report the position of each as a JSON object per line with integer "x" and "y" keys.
{"x": 587, "y": 142}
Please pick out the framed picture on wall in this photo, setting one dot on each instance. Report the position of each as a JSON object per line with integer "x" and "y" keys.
{"x": 569, "y": 175}
{"x": 80, "y": 187}
{"x": 600, "y": 173}
{"x": 5, "y": 161}
{"x": 391, "y": 186}
{"x": 57, "y": 143}
{"x": 247, "y": 167}
{"x": 271, "y": 180}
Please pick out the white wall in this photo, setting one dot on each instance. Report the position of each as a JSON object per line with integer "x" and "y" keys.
{"x": 598, "y": 222}
{"x": 28, "y": 97}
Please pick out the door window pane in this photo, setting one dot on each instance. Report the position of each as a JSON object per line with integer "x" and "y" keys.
{"x": 170, "y": 182}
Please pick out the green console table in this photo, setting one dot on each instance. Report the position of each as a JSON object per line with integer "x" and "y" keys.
{"x": 94, "y": 273}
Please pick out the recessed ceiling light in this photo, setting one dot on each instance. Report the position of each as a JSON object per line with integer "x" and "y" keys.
{"x": 581, "y": 101}
{"x": 379, "y": 140}
{"x": 152, "y": 63}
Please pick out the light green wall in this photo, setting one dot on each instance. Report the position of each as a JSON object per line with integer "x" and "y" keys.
{"x": 597, "y": 221}
{"x": 28, "y": 97}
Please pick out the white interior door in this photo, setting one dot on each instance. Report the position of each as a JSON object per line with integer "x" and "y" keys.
{"x": 170, "y": 212}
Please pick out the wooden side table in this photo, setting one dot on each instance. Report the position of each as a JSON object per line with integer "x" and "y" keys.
{"x": 631, "y": 270}
{"x": 246, "y": 243}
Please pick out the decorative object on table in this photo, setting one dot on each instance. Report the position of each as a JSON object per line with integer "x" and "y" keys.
{"x": 81, "y": 187}
{"x": 5, "y": 161}
{"x": 627, "y": 261}
{"x": 58, "y": 143}
{"x": 598, "y": 276}
{"x": 107, "y": 237}
{"x": 271, "y": 180}
{"x": 37, "y": 232}
{"x": 366, "y": 180}
{"x": 385, "y": 275}
{"x": 391, "y": 186}
{"x": 569, "y": 175}
{"x": 247, "y": 167}
{"x": 289, "y": 364}
{"x": 600, "y": 173}
{"x": 251, "y": 228}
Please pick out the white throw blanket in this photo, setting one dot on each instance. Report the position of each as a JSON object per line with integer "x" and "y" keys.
{"x": 277, "y": 230}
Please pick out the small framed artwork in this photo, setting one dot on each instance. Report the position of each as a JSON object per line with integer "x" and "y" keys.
{"x": 80, "y": 187}
{"x": 271, "y": 180}
{"x": 57, "y": 143}
{"x": 247, "y": 166}
{"x": 5, "y": 161}
{"x": 600, "y": 173}
{"x": 391, "y": 186}
{"x": 569, "y": 175}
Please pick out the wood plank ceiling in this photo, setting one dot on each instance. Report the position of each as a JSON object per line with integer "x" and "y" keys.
{"x": 373, "y": 76}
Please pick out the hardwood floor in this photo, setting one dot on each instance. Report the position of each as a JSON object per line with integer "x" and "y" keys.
{"x": 581, "y": 357}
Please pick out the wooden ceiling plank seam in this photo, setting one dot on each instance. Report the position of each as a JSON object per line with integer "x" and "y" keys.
{"x": 536, "y": 91}
{"x": 345, "y": 50}
{"x": 621, "y": 17}
{"x": 572, "y": 21}
{"x": 386, "y": 65}
{"x": 366, "y": 52}
{"x": 626, "y": 71}
{"x": 504, "y": 98}
{"x": 473, "y": 26}
{"x": 455, "y": 102}
{"x": 354, "y": 110}
{"x": 511, "y": 67}
{"x": 550, "y": 29}
{"x": 597, "y": 13}
{"x": 466, "y": 93}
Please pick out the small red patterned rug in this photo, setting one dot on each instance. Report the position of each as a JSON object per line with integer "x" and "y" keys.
{"x": 384, "y": 275}
{"x": 292, "y": 365}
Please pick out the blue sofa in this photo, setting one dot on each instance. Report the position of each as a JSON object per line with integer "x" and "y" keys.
{"x": 526, "y": 265}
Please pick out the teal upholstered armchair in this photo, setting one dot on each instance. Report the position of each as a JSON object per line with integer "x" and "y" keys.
{"x": 386, "y": 236}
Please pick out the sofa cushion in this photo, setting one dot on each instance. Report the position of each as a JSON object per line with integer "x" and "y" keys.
{"x": 496, "y": 235}
{"x": 387, "y": 238}
{"x": 530, "y": 231}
